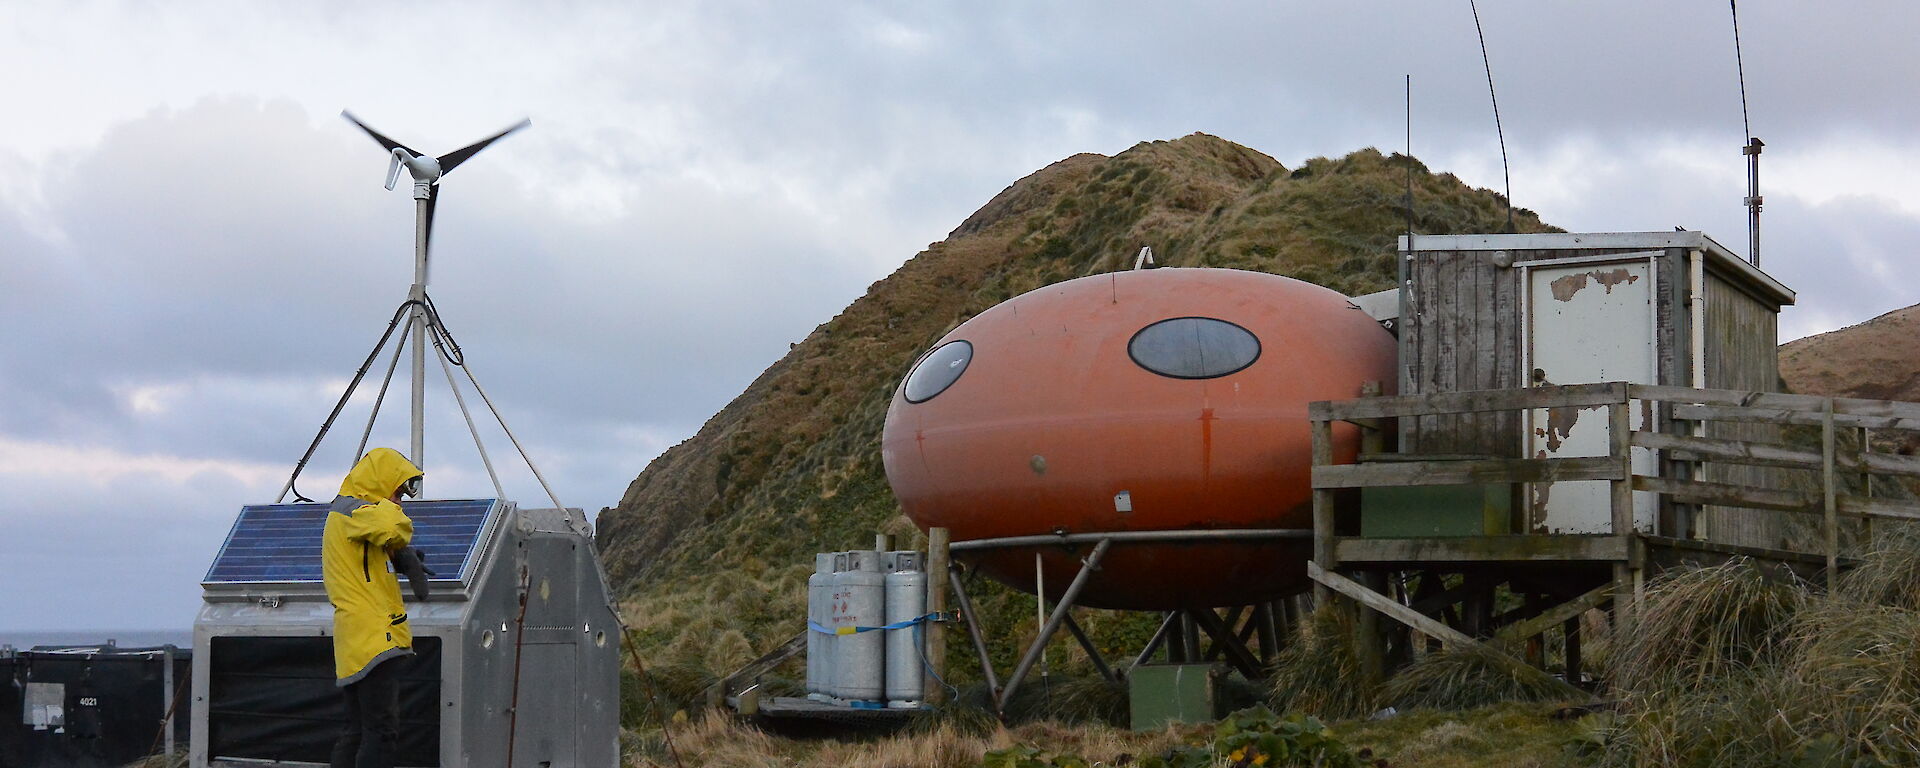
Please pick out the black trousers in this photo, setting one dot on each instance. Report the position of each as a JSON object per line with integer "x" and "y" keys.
{"x": 373, "y": 719}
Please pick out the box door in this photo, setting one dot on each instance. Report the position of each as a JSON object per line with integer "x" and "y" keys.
{"x": 1587, "y": 323}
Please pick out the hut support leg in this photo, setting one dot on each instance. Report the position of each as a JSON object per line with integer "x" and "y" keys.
{"x": 1093, "y": 652}
{"x": 1233, "y": 620}
{"x": 1087, "y": 567}
{"x": 1572, "y": 631}
{"x": 1237, "y": 653}
{"x": 1153, "y": 644}
{"x": 1268, "y": 631}
{"x": 973, "y": 632}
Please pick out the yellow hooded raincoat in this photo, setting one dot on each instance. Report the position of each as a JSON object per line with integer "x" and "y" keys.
{"x": 369, "y": 620}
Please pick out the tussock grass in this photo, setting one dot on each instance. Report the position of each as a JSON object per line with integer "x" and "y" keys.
{"x": 1473, "y": 677}
{"x": 1774, "y": 674}
{"x": 1320, "y": 673}
{"x": 969, "y": 714}
{"x": 1706, "y": 622}
{"x": 1889, "y": 576}
{"x": 1856, "y": 675}
{"x": 1072, "y": 700}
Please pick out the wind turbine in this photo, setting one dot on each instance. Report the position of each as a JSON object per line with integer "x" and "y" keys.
{"x": 427, "y": 171}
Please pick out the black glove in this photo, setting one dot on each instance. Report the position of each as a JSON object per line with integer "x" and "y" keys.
{"x": 412, "y": 562}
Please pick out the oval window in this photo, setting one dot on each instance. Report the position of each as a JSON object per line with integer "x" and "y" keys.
{"x": 938, "y": 370}
{"x": 1193, "y": 348}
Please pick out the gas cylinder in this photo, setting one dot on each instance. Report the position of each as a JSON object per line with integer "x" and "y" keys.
{"x": 906, "y": 600}
{"x": 819, "y": 644}
{"x": 859, "y": 600}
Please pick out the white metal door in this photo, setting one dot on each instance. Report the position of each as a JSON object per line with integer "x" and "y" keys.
{"x": 1586, "y": 323}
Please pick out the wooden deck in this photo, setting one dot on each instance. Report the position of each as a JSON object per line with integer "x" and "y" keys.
{"x": 1814, "y": 491}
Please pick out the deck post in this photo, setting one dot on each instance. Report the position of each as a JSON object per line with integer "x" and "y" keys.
{"x": 1619, "y": 443}
{"x": 934, "y": 689}
{"x": 1323, "y": 508}
{"x": 1866, "y": 483}
{"x": 1830, "y": 519}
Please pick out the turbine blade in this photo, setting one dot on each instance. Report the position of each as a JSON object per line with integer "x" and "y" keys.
{"x": 390, "y": 144}
{"x": 458, "y": 156}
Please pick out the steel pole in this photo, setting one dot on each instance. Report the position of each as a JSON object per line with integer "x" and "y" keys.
{"x": 417, "y": 442}
{"x": 1067, "y": 598}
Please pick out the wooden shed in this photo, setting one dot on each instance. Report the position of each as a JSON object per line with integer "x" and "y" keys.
{"x": 1487, "y": 312}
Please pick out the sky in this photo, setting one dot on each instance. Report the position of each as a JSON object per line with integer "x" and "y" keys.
{"x": 196, "y": 251}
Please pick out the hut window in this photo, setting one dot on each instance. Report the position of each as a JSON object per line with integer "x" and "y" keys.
{"x": 1193, "y": 348}
{"x": 938, "y": 370}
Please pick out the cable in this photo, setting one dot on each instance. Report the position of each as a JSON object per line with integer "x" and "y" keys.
{"x": 344, "y": 396}
{"x": 919, "y": 642}
{"x": 646, "y": 681}
{"x": 519, "y": 632}
{"x": 1505, "y": 175}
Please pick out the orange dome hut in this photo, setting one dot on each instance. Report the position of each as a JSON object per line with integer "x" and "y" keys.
{"x": 1147, "y": 400}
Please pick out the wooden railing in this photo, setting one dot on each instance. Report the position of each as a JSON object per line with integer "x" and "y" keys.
{"x": 1674, "y": 420}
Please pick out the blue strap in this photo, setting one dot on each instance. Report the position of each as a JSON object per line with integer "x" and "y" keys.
{"x": 815, "y": 626}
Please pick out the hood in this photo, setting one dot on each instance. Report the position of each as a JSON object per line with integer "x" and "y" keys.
{"x": 377, "y": 474}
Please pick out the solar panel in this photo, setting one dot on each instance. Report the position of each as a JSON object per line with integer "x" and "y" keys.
{"x": 281, "y": 542}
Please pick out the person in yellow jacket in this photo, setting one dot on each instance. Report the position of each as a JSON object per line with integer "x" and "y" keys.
{"x": 366, "y": 527}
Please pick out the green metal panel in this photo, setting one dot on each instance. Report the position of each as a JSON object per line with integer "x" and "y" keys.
{"x": 1436, "y": 511}
{"x": 1173, "y": 693}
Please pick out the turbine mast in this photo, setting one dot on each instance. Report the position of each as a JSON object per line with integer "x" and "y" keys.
{"x": 426, "y": 171}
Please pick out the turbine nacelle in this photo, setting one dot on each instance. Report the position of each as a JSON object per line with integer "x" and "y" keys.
{"x": 425, "y": 170}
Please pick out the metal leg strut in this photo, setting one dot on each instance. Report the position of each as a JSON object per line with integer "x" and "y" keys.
{"x": 973, "y": 632}
{"x": 1087, "y": 567}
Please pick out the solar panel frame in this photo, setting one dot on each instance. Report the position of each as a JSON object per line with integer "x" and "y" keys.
{"x": 280, "y": 543}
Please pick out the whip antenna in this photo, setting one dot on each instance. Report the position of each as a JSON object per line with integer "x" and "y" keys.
{"x": 1409, "y": 158}
{"x": 1752, "y": 148}
{"x": 1505, "y": 176}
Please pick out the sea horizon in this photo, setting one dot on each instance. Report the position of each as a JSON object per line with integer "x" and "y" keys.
{"x": 123, "y": 637}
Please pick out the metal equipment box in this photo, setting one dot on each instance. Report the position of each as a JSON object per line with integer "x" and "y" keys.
{"x": 90, "y": 706}
{"x": 519, "y": 617}
{"x": 1162, "y": 694}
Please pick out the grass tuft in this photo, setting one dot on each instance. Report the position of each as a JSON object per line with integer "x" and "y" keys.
{"x": 1320, "y": 673}
{"x": 1772, "y": 674}
{"x": 1473, "y": 677}
{"x": 1703, "y": 623}
{"x": 1070, "y": 700}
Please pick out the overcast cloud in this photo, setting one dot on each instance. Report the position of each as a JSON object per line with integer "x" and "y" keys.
{"x": 195, "y": 251}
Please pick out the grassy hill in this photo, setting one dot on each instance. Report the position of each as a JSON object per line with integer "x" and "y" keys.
{"x": 712, "y": 543}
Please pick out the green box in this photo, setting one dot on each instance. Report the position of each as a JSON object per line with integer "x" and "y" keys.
{"x": 1432, "y": 511}
{"x": 1159, "y": 694}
